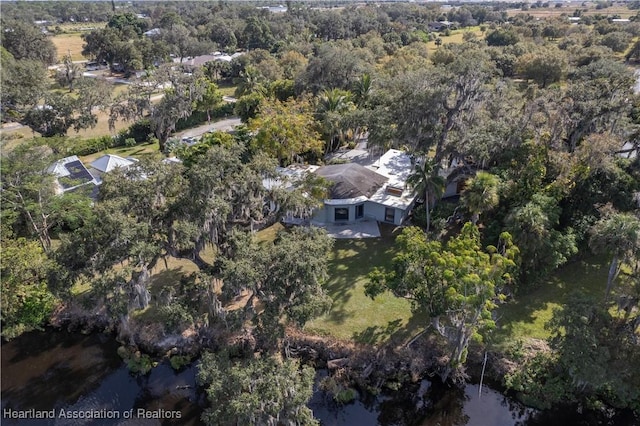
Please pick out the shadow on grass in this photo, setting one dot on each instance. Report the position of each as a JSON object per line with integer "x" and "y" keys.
{"x": 167, "y": 280}
{"x": 351, "y": 262}
{"x": 376, "y": 333}
{"x": 527, "y": 315}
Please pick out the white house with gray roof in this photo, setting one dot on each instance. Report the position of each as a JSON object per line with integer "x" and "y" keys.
{"x": 377, "y": 191}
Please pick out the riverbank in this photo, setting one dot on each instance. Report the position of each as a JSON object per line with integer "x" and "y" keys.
{"x": 365, "y": 367}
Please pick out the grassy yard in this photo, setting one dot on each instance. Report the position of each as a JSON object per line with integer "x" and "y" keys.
{"x": 456, "y": 37}
{"x": 142, "y": 151}
{"x": 354, "y": 315}
{"x": 527, "y": 316}
{"x": 69, "y": 43}
{"x": 227, "y": 89}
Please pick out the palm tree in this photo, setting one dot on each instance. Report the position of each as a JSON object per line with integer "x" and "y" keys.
{"x": 332, "y": 104}
{"x": 249, "y": 81}
{"x": 481, "y": 194}
{"x": 362, "y": 90}
{"x": 617, "y": 235}
{"x": 425, "y": 180}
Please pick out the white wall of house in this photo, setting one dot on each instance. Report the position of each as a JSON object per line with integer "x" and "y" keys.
{"x": 379, "y": 211}
{"x": 370, "y": 210}
{"x": 329, "y": 213}
{"x": 450, "y": 190}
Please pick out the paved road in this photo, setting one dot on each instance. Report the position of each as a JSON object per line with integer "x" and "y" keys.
{"x": 222, "y": 125}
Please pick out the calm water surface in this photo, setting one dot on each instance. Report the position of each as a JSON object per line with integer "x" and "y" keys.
{"x": 82, "y": 373}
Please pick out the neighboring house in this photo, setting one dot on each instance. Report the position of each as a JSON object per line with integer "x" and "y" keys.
{"x": 72, "y": 175}
{"x": 274, "y": 9}
{"x": 201, "y": 60}
{"x": 154, "y": 32}
{"x": 439, "y": 25}
{"x": 107, "y": 163}
{"x": 456, "y": 176}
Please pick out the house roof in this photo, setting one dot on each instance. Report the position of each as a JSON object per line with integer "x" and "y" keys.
{"x": 71, "y": 173}
{"x": 152, "y": 32}
{"x": 351, "y": 180}
{"x": 394, "y": 164}
{"x": 108, "y": 162}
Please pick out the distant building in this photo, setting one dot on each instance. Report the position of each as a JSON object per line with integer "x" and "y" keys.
{"x": 71, "y": 175}
{"x": 274, "y": 9}
{"x": 439, "y": 25}
{"x": 108, "y": 163}
{"x": 201, "y": 60}
{"x": 154, "y": 32}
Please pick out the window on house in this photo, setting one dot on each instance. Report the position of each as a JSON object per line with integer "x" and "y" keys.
{"x": 359, "y": 211}
{"x": 341, "y": 213}
{"x": 389, "y": 214}
{"x": 394, "y": 190}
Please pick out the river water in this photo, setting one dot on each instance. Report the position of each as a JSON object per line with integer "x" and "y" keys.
{"x": 63, "y": 375}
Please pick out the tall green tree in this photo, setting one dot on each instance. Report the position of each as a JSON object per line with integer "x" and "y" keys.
{"x": 536, "y": 231}
{"x": 332, "y": 105}
{"x": 26, "y": 41}
{"x": 211, "y": 98}
{"x": 69, "y": 73}
{"x": 480, "y": 194}
{"x": 257, "y": 391}
{"x": 180, "y": 99}
{"x": 285, "y": 130}
{"x": 287, "y": 286}
{"x": 60, "y": 113}
{"x": 23, "y": 84}
{"x": 28, "y": 192}
{"x": 26, "y": 299}
{"x": 618, "y": 236}
{"x": 363, "y": 90}
{"x": 457, "y": 282}
{"x": 425, "y": 180}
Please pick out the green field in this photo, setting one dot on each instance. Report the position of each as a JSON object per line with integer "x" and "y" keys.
{"x": 528, "y": 315}
{"x": 69, "y": 44}
{"x": 354, "y": 315}
{"x": 456, "y": 37}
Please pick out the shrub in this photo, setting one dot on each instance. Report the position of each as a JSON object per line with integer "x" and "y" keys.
{"x": 140, "y": 131}
{"x": 137, "y": 362}
{"x": 179, "y": 361}
{"x": 176, "y": 316}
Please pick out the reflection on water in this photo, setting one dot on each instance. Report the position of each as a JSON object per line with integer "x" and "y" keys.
{"x": 84, "y": 374}
{"x": 79, "y": 373}
{"x": 425, "y": 404}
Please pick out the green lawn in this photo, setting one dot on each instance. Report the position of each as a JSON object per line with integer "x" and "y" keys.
{"x": 69, "y": 44}
{"x": 145, "y": 150}
{"x": 227, "y": 89}
{"x": 527, "y": 316}
{"x": 354, "y": 315}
